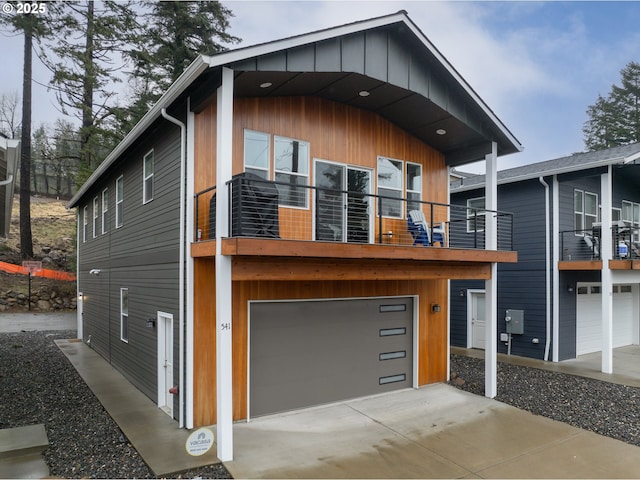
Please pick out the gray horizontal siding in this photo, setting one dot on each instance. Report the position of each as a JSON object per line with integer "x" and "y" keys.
{"x": 142, "y": 256}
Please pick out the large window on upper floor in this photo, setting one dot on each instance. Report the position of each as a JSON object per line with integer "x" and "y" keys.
{"x": 585, "y": 210}
{"x": 96, "y": 217}
{"x": 105, "y": 210}
{"x": 391, "y": 186}
{"x": 414, "y": 186}
{"x": 631, "y": 215}
{"x": 119, "y": 201}
{"x": 85, "y": 222}
{"x": 147, "y": 184}
{"x": 475, "y": 214}
{"x": 289, "y": 168}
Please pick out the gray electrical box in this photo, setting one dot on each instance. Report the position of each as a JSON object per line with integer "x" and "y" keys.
{"x": 515, "y": 321}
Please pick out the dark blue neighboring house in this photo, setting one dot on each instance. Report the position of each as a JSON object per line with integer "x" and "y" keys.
{"x": 577, "y": 233}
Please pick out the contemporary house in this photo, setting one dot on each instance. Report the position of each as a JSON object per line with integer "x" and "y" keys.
{"x": 9, "y": 162}
{"x": 247, "y": 249}
{"x": 576, "y": 286}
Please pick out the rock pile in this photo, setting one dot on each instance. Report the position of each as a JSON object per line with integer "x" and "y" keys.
{"x": 42, "y": 299}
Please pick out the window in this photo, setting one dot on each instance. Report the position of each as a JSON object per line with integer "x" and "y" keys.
{"x": 105, "y": 211}
{"x": 147, "y": 186}
{"x": 291, "y": 165}
{"x": 119, "y": 200}
{"x": 124, "y": 314}
{"x": 475, "y": 215}
{"x": 85, "y": 222}
{"x": 256, "y": 153}
{"x": 96, "y": 217}
{"x": 585, "y": 210}
{"x": 414, "y": 186}
{"x": 631, "y": 216}
{"x": 390, "y": 185}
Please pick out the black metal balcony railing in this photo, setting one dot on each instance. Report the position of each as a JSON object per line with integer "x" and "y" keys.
{"x": 585, "y": 244}
{"x": 345, "y": 216}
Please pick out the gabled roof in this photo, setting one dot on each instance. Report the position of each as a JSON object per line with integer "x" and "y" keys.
{"x": 622, "y": 155}
{"x": 385, "y": 64}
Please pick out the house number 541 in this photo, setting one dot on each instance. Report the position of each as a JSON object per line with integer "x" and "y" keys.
{"x": 225, "y": 326}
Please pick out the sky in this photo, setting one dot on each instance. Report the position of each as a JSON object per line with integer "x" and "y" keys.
{"x": 537, "y": 65}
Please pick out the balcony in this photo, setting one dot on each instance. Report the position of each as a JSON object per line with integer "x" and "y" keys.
{"x": 281, "y": 219}
{"x": 580, "y": 249}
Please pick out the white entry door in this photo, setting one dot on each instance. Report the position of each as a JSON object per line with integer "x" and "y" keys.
{"x": 477, "y": 312}
{"x": 165, "y": 362}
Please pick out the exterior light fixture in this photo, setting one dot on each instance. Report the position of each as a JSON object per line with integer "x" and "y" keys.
{"x": 462, "y": 293}
{"x": 435, "y": 308}
{"x": 569, "y": 288}
{"x": 95, "y": 271}
{"x": 364, "y": 93}
{"x": 151, "y": 322}
{"x": 265, "y": 85}
{"x": 441, "y": 131}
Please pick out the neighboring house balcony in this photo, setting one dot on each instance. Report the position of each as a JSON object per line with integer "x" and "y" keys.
{"x": 581, "y": 249}
{"x": 275, "y": 227}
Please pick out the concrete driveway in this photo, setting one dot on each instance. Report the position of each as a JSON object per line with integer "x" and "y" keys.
{"x": 433, "y": 432}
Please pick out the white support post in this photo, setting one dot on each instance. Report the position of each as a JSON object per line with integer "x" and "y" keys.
{"x": 189, "y": 288}
{"x": 491, "y": 285}
{"x": 224, "y": 371}
{"x": 606, "y": 247}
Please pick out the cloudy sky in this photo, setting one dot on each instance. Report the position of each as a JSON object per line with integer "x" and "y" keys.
{"x": 538, "y": 65}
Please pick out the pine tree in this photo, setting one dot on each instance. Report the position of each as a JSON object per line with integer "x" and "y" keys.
{"x": 34, "y": 26}
{"x": 86, "y": 60}
{"x": 615, "y": 120}
{"x": 175, "y": 32}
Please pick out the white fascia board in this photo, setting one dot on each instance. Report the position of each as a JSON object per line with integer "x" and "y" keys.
{"x": 632, "y": 158}
{"x": 547, "y": 173}
{"x": 192, "y": 72}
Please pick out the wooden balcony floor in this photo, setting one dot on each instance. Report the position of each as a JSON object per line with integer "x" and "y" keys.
{"x": 274, "y": 259}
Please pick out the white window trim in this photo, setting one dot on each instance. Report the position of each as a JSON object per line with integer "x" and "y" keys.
{"x": 403, "y": 174}
{"x": 635, "y": 226}
{"x": 297, "y": 174}
{"x": 95, "y": 216}
{"x": 584, "y": 204}
{"x": 124, "y": 315}
{"x": 408, "y": 190}
{"x": 85, "y": 222}
{"x": 244, "y": 158}
{"x": 146, "y": 177}
{"x": 470, "y": 217}
{"x": 105, "y": 210}
{"x": 119, "y": 219}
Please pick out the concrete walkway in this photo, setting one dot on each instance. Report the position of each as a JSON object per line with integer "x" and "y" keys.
{"x": 20, "y": 322}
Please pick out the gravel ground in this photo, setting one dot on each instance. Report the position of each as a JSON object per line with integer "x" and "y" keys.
{"x": 39, "y": 385}
{"x": 601, "y": 407}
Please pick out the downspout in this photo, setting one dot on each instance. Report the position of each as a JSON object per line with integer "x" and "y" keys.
{"x": 7, "y": 181}
{"x": 183, "y": 145}
{"x": 547, "y": 261}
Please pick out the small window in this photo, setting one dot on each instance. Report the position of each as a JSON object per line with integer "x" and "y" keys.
{"x": 625, "y": 288}
{"x": 96, "y": 217}
{"x": 291, "y": 165}
{"x": 105, "y": 211}
{"x": 147, "y": 186}
{"x": 578, "y": 212}
{"x": 85, "y": 223}
{"x": 256, "y": 153}
{"x": 590, "y": 210}
{"x": 595, "y": 289}
{"x": 583, "y": 290}
{"x": 414, "y": 186}
{"x": 119, "y": 201}
{"x": 475, "y": 215}
{"x": 390, "y": 184}
{"x": 124, "y": 314}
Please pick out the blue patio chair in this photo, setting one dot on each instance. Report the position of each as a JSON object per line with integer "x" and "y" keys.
{"x": 418, "y": 228}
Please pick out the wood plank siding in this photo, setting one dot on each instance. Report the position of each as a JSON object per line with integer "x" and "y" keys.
{"x": 432, "y": 327}
{"x": 335, "y": 132}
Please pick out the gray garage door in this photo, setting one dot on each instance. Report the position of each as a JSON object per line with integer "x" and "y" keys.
{"x": 314, "y": 352}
